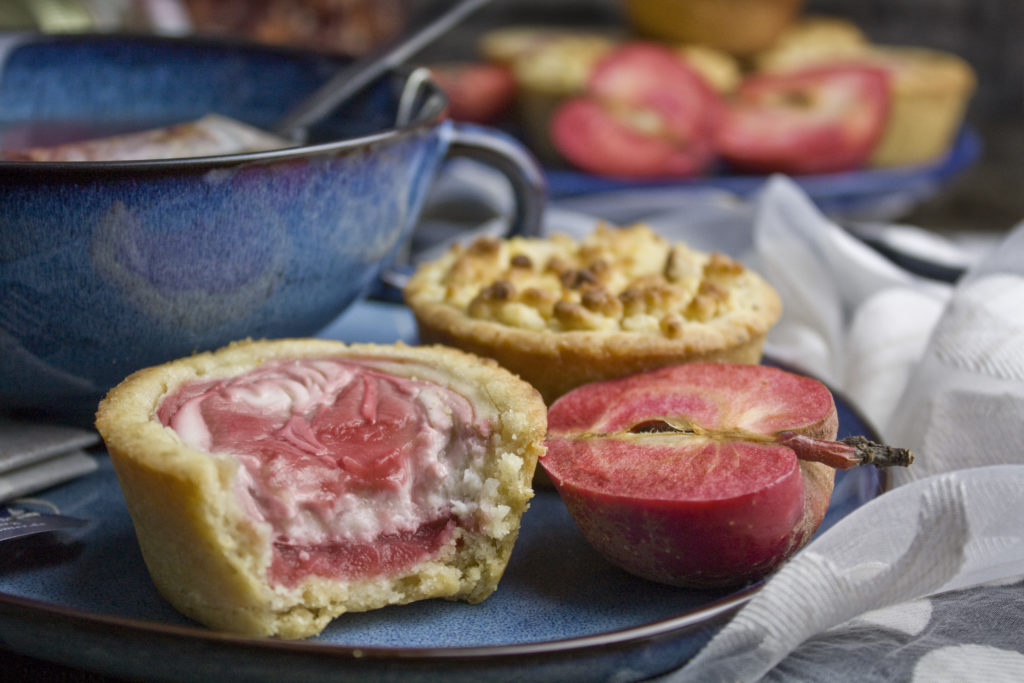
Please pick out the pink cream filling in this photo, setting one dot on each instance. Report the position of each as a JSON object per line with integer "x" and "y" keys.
{"x": 355, "y": 470}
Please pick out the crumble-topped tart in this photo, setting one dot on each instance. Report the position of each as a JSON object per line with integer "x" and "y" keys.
{"x": 275, "y": 485}
{"x": 560, "y": 312}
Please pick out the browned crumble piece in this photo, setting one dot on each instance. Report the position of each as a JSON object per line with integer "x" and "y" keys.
{"x": 485, "y": 245}
{"x": 534, "y": 296}
{"x": 571, "y": 315}
{"x": 632, "y": 299}
{"x": 672, "y": 326}
{"x": 475, "y": 264}
{"x": 589, "y": 253}
{"x": 521, "y": 261}
{"x": 496, "y": 293}
{"x": 576, "y": 278}
{"x": 557, "y": 265}
{"x": 661, "y": 298}
{"x": 720, "y": 264}
{"x": 678, "y": 266}
{"x": 600, "y": 269}
{"x": 600, "y": 300}
{"x": 705, "y": 304}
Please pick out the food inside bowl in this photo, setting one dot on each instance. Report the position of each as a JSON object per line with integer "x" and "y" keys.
{"x": 210, "y": 135}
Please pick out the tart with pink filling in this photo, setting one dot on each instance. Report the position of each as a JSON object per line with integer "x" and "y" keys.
{"x": 275, "y": 485}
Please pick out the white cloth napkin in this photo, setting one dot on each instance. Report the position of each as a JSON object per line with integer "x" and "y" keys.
{"x": 939, "y": 369}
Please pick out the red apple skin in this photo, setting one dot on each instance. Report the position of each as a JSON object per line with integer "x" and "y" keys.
{"x": 693, "y": 510}
{"x": 816, "y": 120}
{"x": 477, "y": 92}
{"x": 646, "y": 114}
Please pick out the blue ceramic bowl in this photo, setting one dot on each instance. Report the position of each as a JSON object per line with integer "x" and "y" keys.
{"x": 107, "y": 267}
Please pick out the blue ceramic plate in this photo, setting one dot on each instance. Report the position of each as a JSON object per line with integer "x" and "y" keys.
{"x": 878, "y": 193}
{"x": 84, "y": 598}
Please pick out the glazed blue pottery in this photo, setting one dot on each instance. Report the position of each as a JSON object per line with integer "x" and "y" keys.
{"x": 108, "y": 267}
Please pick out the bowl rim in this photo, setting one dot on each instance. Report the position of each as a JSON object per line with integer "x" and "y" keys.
{"x": 428, "y": 116}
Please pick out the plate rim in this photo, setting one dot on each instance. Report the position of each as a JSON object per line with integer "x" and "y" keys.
{"x": 661, "y": 628}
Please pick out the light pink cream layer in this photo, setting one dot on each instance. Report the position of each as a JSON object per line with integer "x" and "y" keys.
{"x": 357, "y": 472}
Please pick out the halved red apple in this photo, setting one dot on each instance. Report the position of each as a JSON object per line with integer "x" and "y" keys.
{"x": 703, "y": 474}
{"x": 646, "y": 114}
{"x": 817, "y": 120}
{"x": 477, "y": 92}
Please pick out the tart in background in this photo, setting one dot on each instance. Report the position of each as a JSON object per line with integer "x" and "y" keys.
{"x": 930, "y": 93}
{"x": 560, "y": 313}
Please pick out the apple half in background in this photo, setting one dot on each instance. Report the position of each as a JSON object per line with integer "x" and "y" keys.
{"x": 822, "y": 119}
{"x": 646, "y": 114}
{"x": 477, "y": 92}
{"x": 703, "y": 474}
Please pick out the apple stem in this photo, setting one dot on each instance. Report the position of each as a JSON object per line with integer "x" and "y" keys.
{"x": 847, "y": 453}
{"x": 878, "y": 454}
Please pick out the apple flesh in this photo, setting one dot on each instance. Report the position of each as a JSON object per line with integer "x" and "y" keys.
{"x": 817, "y": 120}
{"x": 703, "y": 474}
{"x": 646, "y": 113}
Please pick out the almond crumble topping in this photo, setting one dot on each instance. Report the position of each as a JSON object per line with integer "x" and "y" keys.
{"x": 627, "y": 279}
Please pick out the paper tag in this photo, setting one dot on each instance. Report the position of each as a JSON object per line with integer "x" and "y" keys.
{"x": 16, "y": 522}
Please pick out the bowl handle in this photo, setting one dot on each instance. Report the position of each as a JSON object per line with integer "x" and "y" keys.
{"x": 509, "y": 157}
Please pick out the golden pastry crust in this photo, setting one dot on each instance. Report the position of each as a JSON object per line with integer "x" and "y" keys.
{"x": 930, "y": 93}
{"x": 210, "y": 559}
{"x": 560, "y": 313}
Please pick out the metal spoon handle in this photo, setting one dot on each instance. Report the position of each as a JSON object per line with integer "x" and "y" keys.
{"x": 353, "y": 78}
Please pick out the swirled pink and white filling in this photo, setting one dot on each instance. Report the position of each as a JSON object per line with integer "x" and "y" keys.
{"x": 354, "y": 470}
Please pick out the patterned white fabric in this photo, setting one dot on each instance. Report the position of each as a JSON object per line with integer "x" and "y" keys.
{"x": 901, "y": 588}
